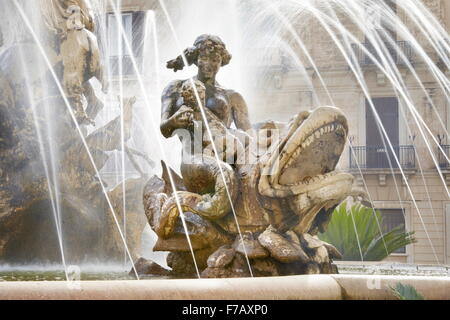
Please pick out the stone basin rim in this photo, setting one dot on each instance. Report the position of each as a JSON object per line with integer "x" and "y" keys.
{"x": 305, "y": 287}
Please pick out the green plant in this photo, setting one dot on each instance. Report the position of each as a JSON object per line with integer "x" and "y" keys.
{"x": 367, "y": 243}
{"x": 406, "y": 292}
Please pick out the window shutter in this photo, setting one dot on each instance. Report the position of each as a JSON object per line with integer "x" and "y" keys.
{"x": 138, "y": 36}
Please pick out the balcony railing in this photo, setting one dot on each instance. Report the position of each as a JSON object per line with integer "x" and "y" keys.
{"x": 394, "y": 51}
{"x": 443, "y": 163}
{"x": 378, "y": 157}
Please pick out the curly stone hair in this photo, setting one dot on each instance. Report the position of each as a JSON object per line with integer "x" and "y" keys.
{"x": 205, "y": 43}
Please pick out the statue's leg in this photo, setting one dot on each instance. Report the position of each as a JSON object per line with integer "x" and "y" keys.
{"x": 74, "y": 58}
{"x": 96, "y": 68}
{"x": 74, "y": 92}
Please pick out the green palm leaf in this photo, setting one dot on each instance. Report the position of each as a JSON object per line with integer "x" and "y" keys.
{"x": 359, "y": 224}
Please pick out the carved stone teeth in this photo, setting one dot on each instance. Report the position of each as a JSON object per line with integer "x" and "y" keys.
{"x": 315, "y": 135}
{"x": 294, "y": 156}
{"x": 307, "y": 142}
{"x": 291, "y": 159}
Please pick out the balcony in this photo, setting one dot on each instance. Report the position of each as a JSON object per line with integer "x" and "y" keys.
{"x": 443, "y": 163}
{"x": 364, "y": 60}
{"x": 378, "y": 157}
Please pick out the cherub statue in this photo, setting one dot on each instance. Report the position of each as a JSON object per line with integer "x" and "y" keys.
{"x": 80, "y": 57}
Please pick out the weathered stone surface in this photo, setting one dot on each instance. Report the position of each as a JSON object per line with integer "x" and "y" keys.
{"x": 291, "y": 235}
{"x": 328, "y": 268}
{"x": 311, "y": 242}
{"x": 217, "y": 273}
{"x": 333, "y": 252}
{"x": 148, "y": 267}
{"x": 182, "y": 263}
{"x": 239, "y": 266}
{"x": 321, "y": 255}
{"x": 222, "y": 257}
{"x": 249, "y": 246}
{"x": 179, "y": 243}
{"x": 264, "y": 268}
{"x": 281, "y": 248}
{"x": 312, "y": 268}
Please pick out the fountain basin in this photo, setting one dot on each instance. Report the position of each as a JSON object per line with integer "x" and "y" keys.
{"x": 310, "y": 287}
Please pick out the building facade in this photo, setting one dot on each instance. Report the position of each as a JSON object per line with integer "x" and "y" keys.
{"x": 417, "y": 196}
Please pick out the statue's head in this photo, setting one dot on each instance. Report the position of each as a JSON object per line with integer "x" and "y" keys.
{"x": 208, "y": 53}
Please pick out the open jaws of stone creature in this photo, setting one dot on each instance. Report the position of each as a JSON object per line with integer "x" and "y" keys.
{"x": 303, "y": 168}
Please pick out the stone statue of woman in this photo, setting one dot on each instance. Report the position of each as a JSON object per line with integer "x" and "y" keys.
{"x": 209, "y": 54}
{"x": 268, "y": 211}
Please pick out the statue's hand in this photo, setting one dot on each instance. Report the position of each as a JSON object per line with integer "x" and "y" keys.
{"x": 183, "y": 118}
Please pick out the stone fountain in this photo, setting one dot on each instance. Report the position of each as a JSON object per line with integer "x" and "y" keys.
{"x": 247, "y": 210}
{"x": 249, "y": 202}
{"x": 252, "y": 208}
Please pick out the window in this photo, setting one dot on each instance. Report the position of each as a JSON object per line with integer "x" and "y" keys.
{"x": 120, "y": 57}
{"x": 377, "y": 156}
{"x": 393, "y": 218}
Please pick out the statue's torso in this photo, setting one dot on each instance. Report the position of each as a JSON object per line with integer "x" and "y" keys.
{"x": 217, "y": 101}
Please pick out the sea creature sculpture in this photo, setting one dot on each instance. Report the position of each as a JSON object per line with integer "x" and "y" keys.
{"x": 280, "y": 202}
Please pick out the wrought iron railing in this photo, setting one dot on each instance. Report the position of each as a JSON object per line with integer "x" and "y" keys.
{"x": 379, "y": 157}
{"x": 394, "y": 51}
{"x": 443, "y": 163}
